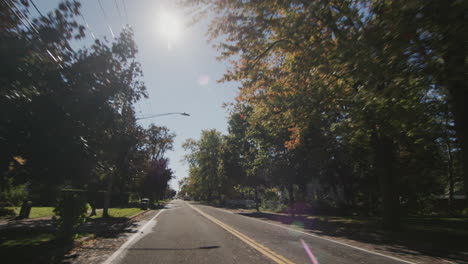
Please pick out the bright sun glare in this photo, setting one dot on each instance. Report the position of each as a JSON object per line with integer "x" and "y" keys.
{"x": 170, "y": 26}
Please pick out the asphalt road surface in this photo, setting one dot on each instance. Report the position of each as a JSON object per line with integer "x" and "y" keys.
{"x": 192, "y": 233}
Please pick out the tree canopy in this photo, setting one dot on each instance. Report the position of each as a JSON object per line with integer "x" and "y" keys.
{"x": 67, "y": 117}
{"x": 349, "y": 95}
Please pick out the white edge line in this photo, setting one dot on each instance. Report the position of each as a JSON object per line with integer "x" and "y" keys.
{"x": 130, "y": 240}
{"x": 327, "y": 239}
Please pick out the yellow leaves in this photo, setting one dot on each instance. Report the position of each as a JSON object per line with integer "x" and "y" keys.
{"x": 295, "y": 139}
{"x": 20, "y": 160}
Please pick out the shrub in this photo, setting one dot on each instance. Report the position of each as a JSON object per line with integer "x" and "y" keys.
{"x": 7, "y": 212}
{"x": 464, "y": 212}
{"x": 71, "y": 213}
{"x": 12, "y": 195}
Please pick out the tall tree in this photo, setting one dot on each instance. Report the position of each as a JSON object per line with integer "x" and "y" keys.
{"x": 308, "y": 67}
{"x": 204, "y": 162}
{"x": 66, "y": 113}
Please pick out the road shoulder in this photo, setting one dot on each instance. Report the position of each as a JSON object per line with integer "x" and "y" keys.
{"x": 99, "y": 249}
{"x": 368, "y": 241}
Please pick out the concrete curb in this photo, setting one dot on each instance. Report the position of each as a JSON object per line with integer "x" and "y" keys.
{"x": 138, "y": 214}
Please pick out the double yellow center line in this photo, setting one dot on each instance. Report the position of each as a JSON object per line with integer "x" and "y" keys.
{"x": 259, "y": 247}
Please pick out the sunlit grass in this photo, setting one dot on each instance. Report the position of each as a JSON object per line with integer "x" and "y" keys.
{"x": 449, "y": 225}
{"x": 36, "y": 212}
{"x": 119, "y": 212}
{"x": 27, "y": 240}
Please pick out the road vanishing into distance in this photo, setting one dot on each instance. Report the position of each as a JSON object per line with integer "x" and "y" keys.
{"x": 193, "y": 233}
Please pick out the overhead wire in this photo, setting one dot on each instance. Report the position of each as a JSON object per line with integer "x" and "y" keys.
{"x": 118, "y": 11}
{"x": 37, "y": 9}
{"x": 125, "y": 11}
{"x": 22, "y": 17}
{"x": 19, "y": 14}
{"x": 107, "y": 20}
{"x": 87, "y": 26}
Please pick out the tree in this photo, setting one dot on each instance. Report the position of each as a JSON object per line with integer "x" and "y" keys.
{"x": 204, "y": 162}
{"x": 323, "y": 75}
{"x": 155, "y": 183}
{"x": 66, "y": 114}
{"x": 158, "y": 141}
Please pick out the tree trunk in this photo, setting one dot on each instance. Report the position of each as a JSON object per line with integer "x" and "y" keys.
{"x": 385, "y": 167}
{"x": 107, "y": 198}
{"x": 450, "y": 173}
{"x": 257, "y": 206}
{"x": 456, "y": 81}
{"x": 93, "y": 211}
{"x": 291, "y": 200}
{"x": 449, "y": 160}
{"x": 208, "y": 198}
{"x": 460, "y": 110}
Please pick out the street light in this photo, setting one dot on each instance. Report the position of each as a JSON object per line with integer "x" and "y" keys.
{"x": 165, "y": 114}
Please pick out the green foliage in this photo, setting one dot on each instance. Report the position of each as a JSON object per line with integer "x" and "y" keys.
{"x": 12, "y": 195}
{"x": 79, "y": 110}
{"x": 204, "y": 165}
{"x": 7, "y": 212}
{"x": 71, "y": 212}
{"x": 349, "y": 96}
{"x": 464, "y": 212}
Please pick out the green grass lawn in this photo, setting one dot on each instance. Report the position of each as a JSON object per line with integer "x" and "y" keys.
{"x": 27, "y": 246}
{"x": 19, "y": 239}
{"x": 454, "y": 226}
{"x": 38, "y": 245}
{"x": 36, "y": 211}
{"x": 119, "y": 212}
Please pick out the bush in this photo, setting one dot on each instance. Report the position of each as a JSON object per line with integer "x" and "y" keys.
{"x": 464, "y": 212}
{"x": 71, "y": 212}
{"x": 7, "y": 212}
{"x": 12, "y": 195}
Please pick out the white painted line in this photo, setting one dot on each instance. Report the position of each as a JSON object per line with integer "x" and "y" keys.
{"x": 129, "y": 242}
{"x": 327, "y": 239}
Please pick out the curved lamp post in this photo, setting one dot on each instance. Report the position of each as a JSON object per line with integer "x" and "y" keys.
{"x": 165, "y": 114}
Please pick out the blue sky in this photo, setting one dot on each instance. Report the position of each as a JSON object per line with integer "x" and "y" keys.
{"x": 181, "y": 78}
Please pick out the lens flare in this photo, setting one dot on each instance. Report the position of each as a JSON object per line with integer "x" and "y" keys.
{"x": 312, "y": 258}
{"x": 170, "y": 26}
{"x": 203, "y": 80}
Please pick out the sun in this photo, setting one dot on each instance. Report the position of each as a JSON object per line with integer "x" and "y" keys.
{"x": 170, "y": 26}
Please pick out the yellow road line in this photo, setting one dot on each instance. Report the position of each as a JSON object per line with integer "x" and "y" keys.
{"x": 249, "y": 241}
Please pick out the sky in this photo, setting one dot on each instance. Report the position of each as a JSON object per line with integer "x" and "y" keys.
{"x": 180, "y": 77}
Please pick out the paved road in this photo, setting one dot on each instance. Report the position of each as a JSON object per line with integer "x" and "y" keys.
{"x": 193, "y": 233}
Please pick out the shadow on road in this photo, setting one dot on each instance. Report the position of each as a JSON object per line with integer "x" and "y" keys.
{"x": 195, "y": 248}
{"x": 408, "y": 241}
{"x": 108, "y": 227}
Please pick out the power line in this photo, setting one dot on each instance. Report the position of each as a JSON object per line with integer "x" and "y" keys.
{"x": 125, "y": 10}
{"x": 164, "y": 114}
{"x": 37, "y": 9}
{"x": 118, "y": 9}
{"x": 87, "y": 26}
{"x": 22, "y": 17}
{"x": 105, "y": 17}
